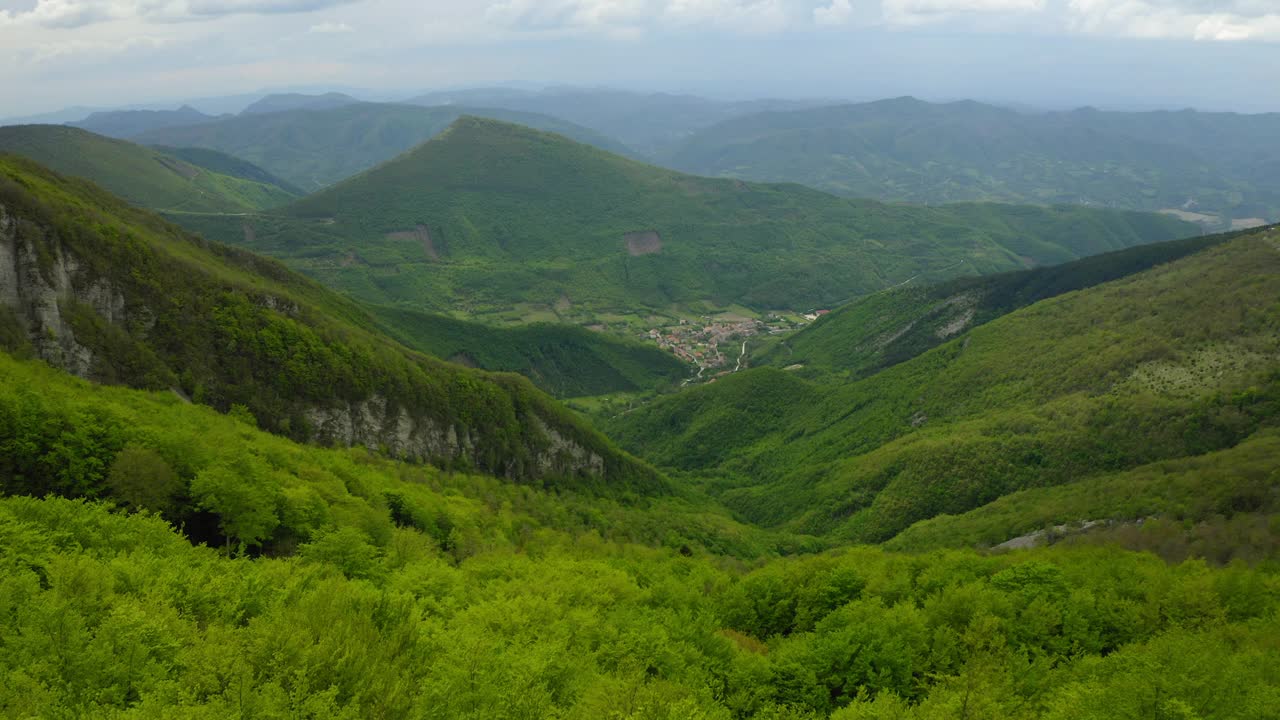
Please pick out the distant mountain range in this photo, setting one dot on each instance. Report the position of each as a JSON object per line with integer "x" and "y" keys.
{"x": 1213, "y": 167}
{"x": 316, "y": 148}
{"x": 131, "y": 123}
{"x": 489, "y": 215}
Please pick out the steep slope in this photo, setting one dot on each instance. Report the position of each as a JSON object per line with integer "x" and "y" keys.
{"x": 316, "y": 148}
{"x": 126, "y": 124}
{"x": 1176, "y": 361}
{"x": 144, "y": 176}
{"x": 876, "y": 331}
{"x": 488, "y": 215}
{"x": 117, "y": 295}
{"x": 564, "y": 360}
{"x": 905, "y": 149}
{"x": 229, "y": 165}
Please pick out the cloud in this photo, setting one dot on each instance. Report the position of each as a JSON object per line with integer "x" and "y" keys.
{"x": 914, "y": 12}
{"x": 1218, "y": 20}
{"x": 69, "y": 14}
{"x": 330, "y": 28}
{"x": 839, "y": 12}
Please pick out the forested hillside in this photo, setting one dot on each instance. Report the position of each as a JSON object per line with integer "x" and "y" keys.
{"x": 254, "y": 502}
{"x": 144, "y": 176}
{"x": 314, "y": 148}
{"x": 886, "y": 328}
{"x": 120, "y": 296}
{"x": 564, "y": 360}
{"x": 1173, "y": 362}
{"x": 1221, "y": 165}
{"x": 489, "y": 216}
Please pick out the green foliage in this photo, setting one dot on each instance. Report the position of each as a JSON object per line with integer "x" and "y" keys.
{"x": 883, "y": 329}
{"x": 115, "y": 616}
{"x": 488, "y": 215}
{"x": 1174, "y": 362}
{"x": 314, "y": 148}
{"x": 564, "y": 360}
{"x": 225, "y": 328}
{"x": 144, "y": 176}
{"x": 908, "y": 150}
{"x": 141, "y": 478}
{"x": 229, "y": 165}
{"x": 228, "y": 483}
{"x": 243, "y": 495}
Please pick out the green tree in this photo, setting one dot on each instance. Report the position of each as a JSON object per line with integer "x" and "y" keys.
{"x": 142, "y": 479}
{"x": 243, "y": 498}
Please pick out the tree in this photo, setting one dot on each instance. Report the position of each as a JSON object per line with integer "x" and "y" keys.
{"x": 243, "y": 498}
{"x": 140, "y": 478}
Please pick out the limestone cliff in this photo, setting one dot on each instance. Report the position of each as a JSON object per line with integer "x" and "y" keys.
{"x": 136, "y": 325}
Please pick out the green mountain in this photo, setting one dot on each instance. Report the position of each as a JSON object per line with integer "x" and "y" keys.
{"x": 126, "y": 124}
{"x": 313, "y": 149}
{"x": 144, "y": 176}
{"x": 327, "y": 583}
{"x": 886, "y": 328}
{"x": 1173, "y": 362}
{"x": 647, "y": 122}
{"x": 120, "y": 296}
{"x": 161, "y": 559}
{"x": 1216, "y": 164}
{"x": 488, "y": 217}
{"x": 225, "y": 164}
{"x": 564, "y": 360}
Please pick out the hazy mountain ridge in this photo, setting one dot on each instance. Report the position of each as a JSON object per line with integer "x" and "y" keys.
{"x": 316, "y": 148}
{"x": 906, "y": 149}
{"x": 489, "y": 214}
{"x": 128, "y": 124}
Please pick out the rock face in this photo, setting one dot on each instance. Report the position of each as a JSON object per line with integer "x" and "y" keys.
{"x": 34, "y": 287}
{"x": 41, "y": 280}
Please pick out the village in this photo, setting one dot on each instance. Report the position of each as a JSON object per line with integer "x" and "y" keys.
{"x": 718, "y": 344}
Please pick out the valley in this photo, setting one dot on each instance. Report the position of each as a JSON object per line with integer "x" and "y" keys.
{"x": 461, "y": 407}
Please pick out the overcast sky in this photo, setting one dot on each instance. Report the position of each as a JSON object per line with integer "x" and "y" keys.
{"x": 1210, "y": 54}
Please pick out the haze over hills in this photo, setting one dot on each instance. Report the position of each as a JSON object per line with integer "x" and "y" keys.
{"x": 282, "y": 102}
{"x": 1220, "y": 164}
{"x": 647, "y": 122}
{"x": 1173, "y": 362}
{"x": 170, "y": 539}
{"x": 316, "y": 148}
{"x": 652, "y": 372}
{"x": 145, "y": 176}
{"x": 126, "y": 124}
{"x": 489, "y": 215}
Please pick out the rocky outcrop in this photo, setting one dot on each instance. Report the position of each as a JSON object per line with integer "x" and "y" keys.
{"x": 44, "y": 284}
{"x": 36, "y": 278}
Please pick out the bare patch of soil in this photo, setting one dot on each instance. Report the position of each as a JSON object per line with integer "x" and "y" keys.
{"x": 643, "y": 243}
{"x": 421, "y": 235}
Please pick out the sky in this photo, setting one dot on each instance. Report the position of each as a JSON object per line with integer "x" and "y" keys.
{"x": 1122, "y": 54}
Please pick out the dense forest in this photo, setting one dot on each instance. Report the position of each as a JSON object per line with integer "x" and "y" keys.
{"x": 230, "y": 491}
{"x": 332, "y": 583}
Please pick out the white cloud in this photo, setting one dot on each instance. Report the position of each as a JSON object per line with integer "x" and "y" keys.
{"x": 330, "y": 28}
{"x": 80, "y": 13}
{"x": 915, "y": 12}
{"x": 839, "y": 12}
{"x": 1220, "y": 20}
